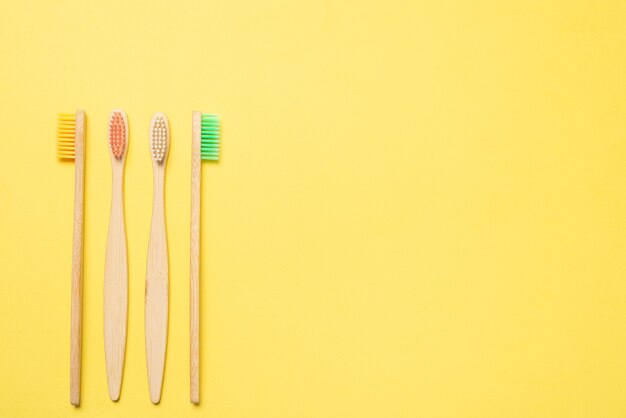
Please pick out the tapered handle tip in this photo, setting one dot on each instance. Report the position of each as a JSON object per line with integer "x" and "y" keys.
{"x": 155, "y": 396}
{"x": 114, "y": 392}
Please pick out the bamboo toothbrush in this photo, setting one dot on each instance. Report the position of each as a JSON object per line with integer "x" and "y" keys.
{"x": 71, "y": 146}
{"x": 204, "y": 146}
{"x": 116, "y": 261}
{"x": 157, "y": 268}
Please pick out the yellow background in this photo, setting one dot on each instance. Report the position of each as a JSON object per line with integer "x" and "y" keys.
{"x": 420, "y": 209}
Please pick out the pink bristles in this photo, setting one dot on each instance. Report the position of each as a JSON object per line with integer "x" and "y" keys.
{"x": 117, "y": 133}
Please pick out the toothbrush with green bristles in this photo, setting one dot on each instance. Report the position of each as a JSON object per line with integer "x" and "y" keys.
{"x": 205, "y": 145}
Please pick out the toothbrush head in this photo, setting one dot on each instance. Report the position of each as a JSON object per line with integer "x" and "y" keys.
{"x": 118, "y": 133}
{"x": 209, "y": 137}
{"x": 66, "y": 136}
{"x": 159, "y": 137}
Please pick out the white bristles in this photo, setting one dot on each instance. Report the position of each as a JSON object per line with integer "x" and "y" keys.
{"x": 159, "y": 137}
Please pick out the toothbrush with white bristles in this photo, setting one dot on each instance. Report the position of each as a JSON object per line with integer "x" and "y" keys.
{"x": 157, "y": 270}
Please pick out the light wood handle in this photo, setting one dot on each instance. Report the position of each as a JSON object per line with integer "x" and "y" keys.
{"x": 157, "y": 289}
{"x": 77, "y": 260}
{"x": 116, "y": 286}
{"x": 194, "y": 285}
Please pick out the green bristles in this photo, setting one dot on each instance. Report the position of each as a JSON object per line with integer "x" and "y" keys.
{"x": 210, "y": 137}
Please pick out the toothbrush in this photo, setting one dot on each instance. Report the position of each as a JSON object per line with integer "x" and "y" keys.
{"x": 71, "y": 146}
{"x": 116, "y": 261}
{"x": 204, "y": 146}
{"x": 157, "y": 268}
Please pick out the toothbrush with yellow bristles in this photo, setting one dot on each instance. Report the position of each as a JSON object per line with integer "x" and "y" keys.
{"x": 71, "y": 146}
{"x": 205, "y": 140}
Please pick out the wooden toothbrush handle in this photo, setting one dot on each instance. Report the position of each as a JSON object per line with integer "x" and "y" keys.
{"x": 77, "y": 260}
{"x": 194, "y": 278}
{"x": 116, "y": 288}
{"x": 157, "y": 291}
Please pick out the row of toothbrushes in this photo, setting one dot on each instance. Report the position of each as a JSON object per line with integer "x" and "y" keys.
{"x": 71, "y": 145}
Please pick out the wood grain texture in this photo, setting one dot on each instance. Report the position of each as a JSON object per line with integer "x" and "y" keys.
{"x": 194, "y": 275}
{"x": 116, "y": 280}
{"x": 157, "y": 286}
{"x": 77, "y": 260}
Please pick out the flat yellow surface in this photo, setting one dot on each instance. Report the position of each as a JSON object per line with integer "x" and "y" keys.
{"x": 420, "y": 210}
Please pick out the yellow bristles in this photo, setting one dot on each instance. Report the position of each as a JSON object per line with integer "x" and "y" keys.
{"x": 66, "y": 135}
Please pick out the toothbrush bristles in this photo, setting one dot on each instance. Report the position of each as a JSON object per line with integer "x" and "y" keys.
{"x": 158, "y": 137}
{"x": 66, "y": 135}
{"x": 210, "y": 137}
{"x": 117, "y": 133}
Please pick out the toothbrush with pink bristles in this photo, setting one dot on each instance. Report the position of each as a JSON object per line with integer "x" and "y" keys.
{"x": 116, "y": 262}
